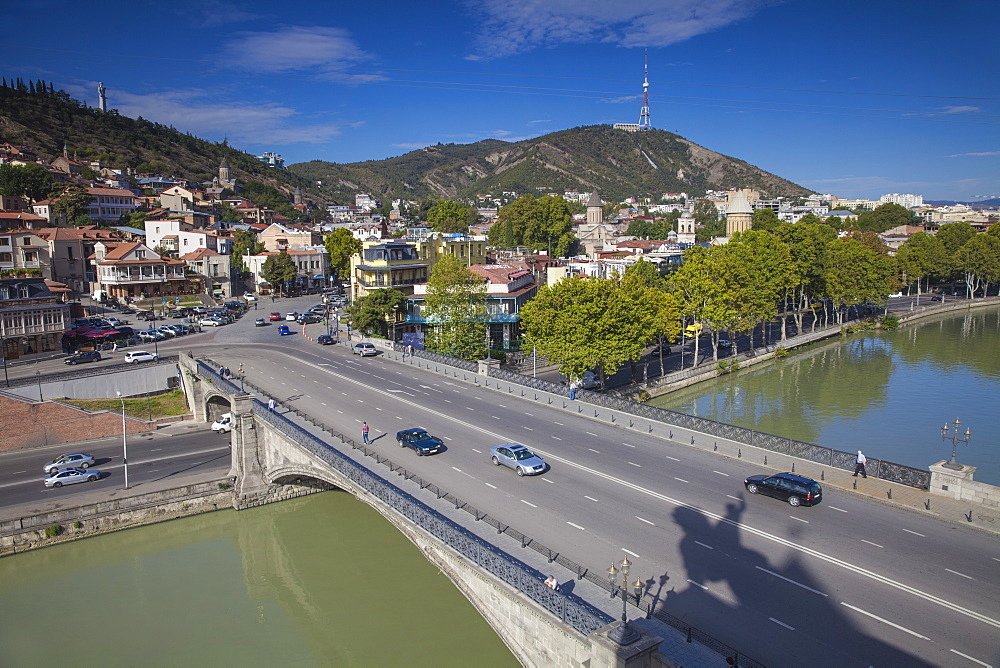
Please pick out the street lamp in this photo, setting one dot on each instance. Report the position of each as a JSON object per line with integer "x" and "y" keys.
{"x": 946, "y": 435}
{"x": 622, "y": 634}
{"x": 124, "y": 439}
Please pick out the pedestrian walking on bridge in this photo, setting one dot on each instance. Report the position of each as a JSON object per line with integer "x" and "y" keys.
{"x": 860, "y": 466}
{"x": 364, "y": 432}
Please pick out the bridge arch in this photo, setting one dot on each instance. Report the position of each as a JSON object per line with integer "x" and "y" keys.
{"x": 305, "y": 476}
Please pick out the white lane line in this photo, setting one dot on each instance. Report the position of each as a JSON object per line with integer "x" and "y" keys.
{"x": 557, "y": 438}
{"x": 871, "y": 543}
{"x": 628, "y": 445}
{"x": 479, "y": 451}
{"x": 527, "y": 503}
{"x": 558, "y": 423}
{"x": 455, "y": 468}
{"x": 528, "y": 428}
{"x": 17, "y": 472}
{"x": 966, "y": 656}
{"x": 780, "y": 623}
{"x": 884, "y": 621}
{"x": 492, "y": 486}
{"x": 530, "y": 414}
{"x": 576, "y": 526}
{"x": 790, "y": 581}
{"x": 698, "y": 584}
{"x": 592, "y": 450}
{"x": 799, "y": 519}
{"x": 590, "y": 498}
{"x": 673, "y": 458}
{"x": 590, "y": 433}
{"x": 469, "y": 408}
{"x": 155, "y": 449}
{"x": 495, "y": 417}
{"x": 734, "y": 498}
{"x": 548, "y": 481}
{"x": 646, "y": 521}
{"x": 680, "y": 479}
{"x": 632, "y": 553}
{"x": 915, "y": 533}
{"x": 967, "y": 577}
{"x": 721, "y": 473}
{"x": 703, "y": 545}
{"x": 636, "y": 465}
{"x": 839, "y": 510}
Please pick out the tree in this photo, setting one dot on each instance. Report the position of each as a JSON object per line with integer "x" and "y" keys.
{"x": 808, "y": 245}
{"x": 136, "y": 219}
{"x": 695, "y": 288}
{"x": 656, "y": 310}
{"x": 72, "y": 204}
{"x": 455, "y": 310}
{"x": 341, "y": 245}
{"x": 889, "y": 215}
{"x": 707, "y": 216}
{"x": 540, "y": 224}
{"x": 765, "y": 220}
{"x": 32, "y": 182}
{"x": 922, "y": 255}
{"x": 279, "y": 271}
{"x": 371, "y": 314}
{"x": 450, "y": 216}
{"x": 979, "y": 260}
{"x": 953, "y": 236}
{"x": 245, "y": 243}
{"x": 857, "y": 274}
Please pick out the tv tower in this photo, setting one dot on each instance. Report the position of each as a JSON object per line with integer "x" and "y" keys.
{"x": 644, "y": 112}
{"x": 102, "y": 97}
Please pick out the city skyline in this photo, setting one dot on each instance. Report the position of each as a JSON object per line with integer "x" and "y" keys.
{"x": 857, "y": 102}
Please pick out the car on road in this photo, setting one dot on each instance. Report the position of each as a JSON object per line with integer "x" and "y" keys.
{"x": 364, "y": 349}
{"x": 250, "y": 297}
{"x": 283, "y": 330}
{"x": 211, "y": 322}
{"x": 71, "y": 461}
{"x": 150, "y": 335}
{"x": 137, "y": 356}
{"x": 325, "y": 340}
{"x": 274, "y": 316}
{"x": 725, "y": 343}
{"x": 418, "y": 439}
{"x": 224, "y": 424}
{"x": 660, "y": 350}
{"x": 83, "y": 356}
{"x": 166, "y": 332}
{"x": 694, "y": 330}
{"x": 519, "y": 458}
{"x": 71, "y": 476}
{"x": 797, "y": 490}
{"x": 292, "y": 316}
{"x": 308, "y": 319}
{"x": 259, "y": 322}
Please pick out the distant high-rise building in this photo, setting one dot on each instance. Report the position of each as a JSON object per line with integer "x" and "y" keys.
{"x": 907, "y": 201}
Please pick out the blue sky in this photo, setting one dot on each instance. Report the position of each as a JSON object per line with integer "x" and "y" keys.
{"x": 852, "y": 98}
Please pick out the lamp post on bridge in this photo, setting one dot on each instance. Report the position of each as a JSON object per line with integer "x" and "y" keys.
{"x": 622, "y": 634}
{"x": 952, "y": 435}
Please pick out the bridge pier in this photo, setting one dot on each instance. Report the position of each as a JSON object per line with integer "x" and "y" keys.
{"x": 251, "y": 488}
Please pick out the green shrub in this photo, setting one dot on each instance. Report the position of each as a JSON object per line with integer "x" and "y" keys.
{"x": 77, "y": 525}
{"x": 890, "y": 321}
{"x": 780, "y": 351}
{"x": 224, "y": 485}
{"x": 53, "y": 531}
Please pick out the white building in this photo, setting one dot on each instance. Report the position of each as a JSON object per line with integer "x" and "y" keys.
{"x": 907, "y": 201}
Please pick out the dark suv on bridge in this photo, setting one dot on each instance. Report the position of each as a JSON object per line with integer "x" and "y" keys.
{"x": 795, "y": 489}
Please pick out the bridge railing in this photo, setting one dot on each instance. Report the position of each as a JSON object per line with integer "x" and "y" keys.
{"x": 572, "y": 610}
{"x": 899, "y": 473}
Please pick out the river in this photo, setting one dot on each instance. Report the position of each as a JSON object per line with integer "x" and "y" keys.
{"x": 317, "y": 581}
{"x": 886, "y": 393}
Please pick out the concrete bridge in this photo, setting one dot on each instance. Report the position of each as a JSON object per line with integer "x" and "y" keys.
{"x": 275, "y": 459}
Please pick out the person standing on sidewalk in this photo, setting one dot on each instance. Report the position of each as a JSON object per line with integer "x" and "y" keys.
{"x": 270, "y": 405}
{"x": 860, "y": 466}
{"x": 572, "y": 390}
{"x": 364, "y": 432}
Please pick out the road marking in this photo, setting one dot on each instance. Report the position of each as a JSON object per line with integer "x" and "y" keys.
{"x": 797, "y": 584}
{"x": 628, "y": 445}
{"x": 548, "y": 481}
{"x": 17, "y": 472}
{"x": 528, "y": 503}
{"x": 558, "y": 423}
{"x": 469, "y": 408}
{"x": 530, "y": 414}
{"x": 799, "y": 519}
{"x": 592, "y": 450}
{"x": 967, "y": 577}
{"x": 915, "y": 533}
{"x": 634, "y": 464}
{"x": 492, "y": 486}
{"x": 576, "y": 526}
{"x": 474, "y": 450}
{"x": 721, "y": 473}
{"x": 966, "y": 656}
{"x": 528, "y": 428}
{"x": 780, "y": 623}
{"x": 673, "y": 458}
{"x": 734, "y": 498}
{"x": 590, "y": 433}
{"x": 875, "y": 544}
{"x": 703, "y": 545}
{"x": 884, "y": 621}
{"x": 680, "y": 479}
{"x": 698, "y": 584}
{"x": 646, "y": 521}
{"x": 632, "y": 553}
{"x": 839, "y": 510}
{"x": 557, "y": 438}
{"x": 454, "y": 468}
{"x": 591, "y": 498}
{"x": 494, "y": 417}
{"x": 502, "y": 405}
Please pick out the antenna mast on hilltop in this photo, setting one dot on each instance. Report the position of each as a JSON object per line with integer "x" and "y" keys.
{"x": 644, "y": 112}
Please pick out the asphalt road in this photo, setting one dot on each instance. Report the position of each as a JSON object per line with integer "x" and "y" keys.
{"x": 849, "y": 582}
{"x": 151, "y": 457}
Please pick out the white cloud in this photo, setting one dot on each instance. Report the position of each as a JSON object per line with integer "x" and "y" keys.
{"x": 968, "y": 109}
{"x": 977, "y": 153}
{"x": 200, "y": 113}
{"x": 620, "y": 100}
{"x": 541, "y": 120}
{"x": 217, "y": 12}
{"x": 328, "y": 50}
{"x": 516, "y": 26}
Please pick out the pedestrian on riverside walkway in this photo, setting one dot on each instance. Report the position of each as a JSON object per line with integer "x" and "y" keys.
{"x": 860, "y": 466}
{"x": 270, "y": 405}
{"x": 572, "y": 391}
{"x": 364, "y": 432}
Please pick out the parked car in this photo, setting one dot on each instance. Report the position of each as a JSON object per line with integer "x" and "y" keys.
{"x": 259, "y": 322}
{"x": 325, "y": 340}
{"x": 211, "y": 322}
{"x": 693, "y": 330}
{"x": 150, "y": 335}
{"x": 179, "y": 330}
{"x": 660, "y": 350}
{"x": 519, "y": 458}
{"x": 127, "y": 331}
{"x": 292, "y": 316}
{"x": 274, "y": 316}
{"x": 137, "y": 356}
{"x": 73, "y": 460}
{"x": 71, "y": 476}
{"x": 308, "y": 319}
{"x": 250, "y": 297}
{"x": 283, "y": 330}
{"x": 795, "y": 489}
{"x": 166, "y": 332}
{"x": 83, "y": 356}
{"x": 224, "y": 424}
{"x": 418, "y": 439}
{"x": 725, "y": 343}
{"x": 364, "y": 349}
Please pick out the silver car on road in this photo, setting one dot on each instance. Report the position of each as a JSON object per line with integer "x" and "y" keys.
{"x": 71, "y": 476}
{"x": 519, "y": 458}
{"x": 74, "y": 460}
